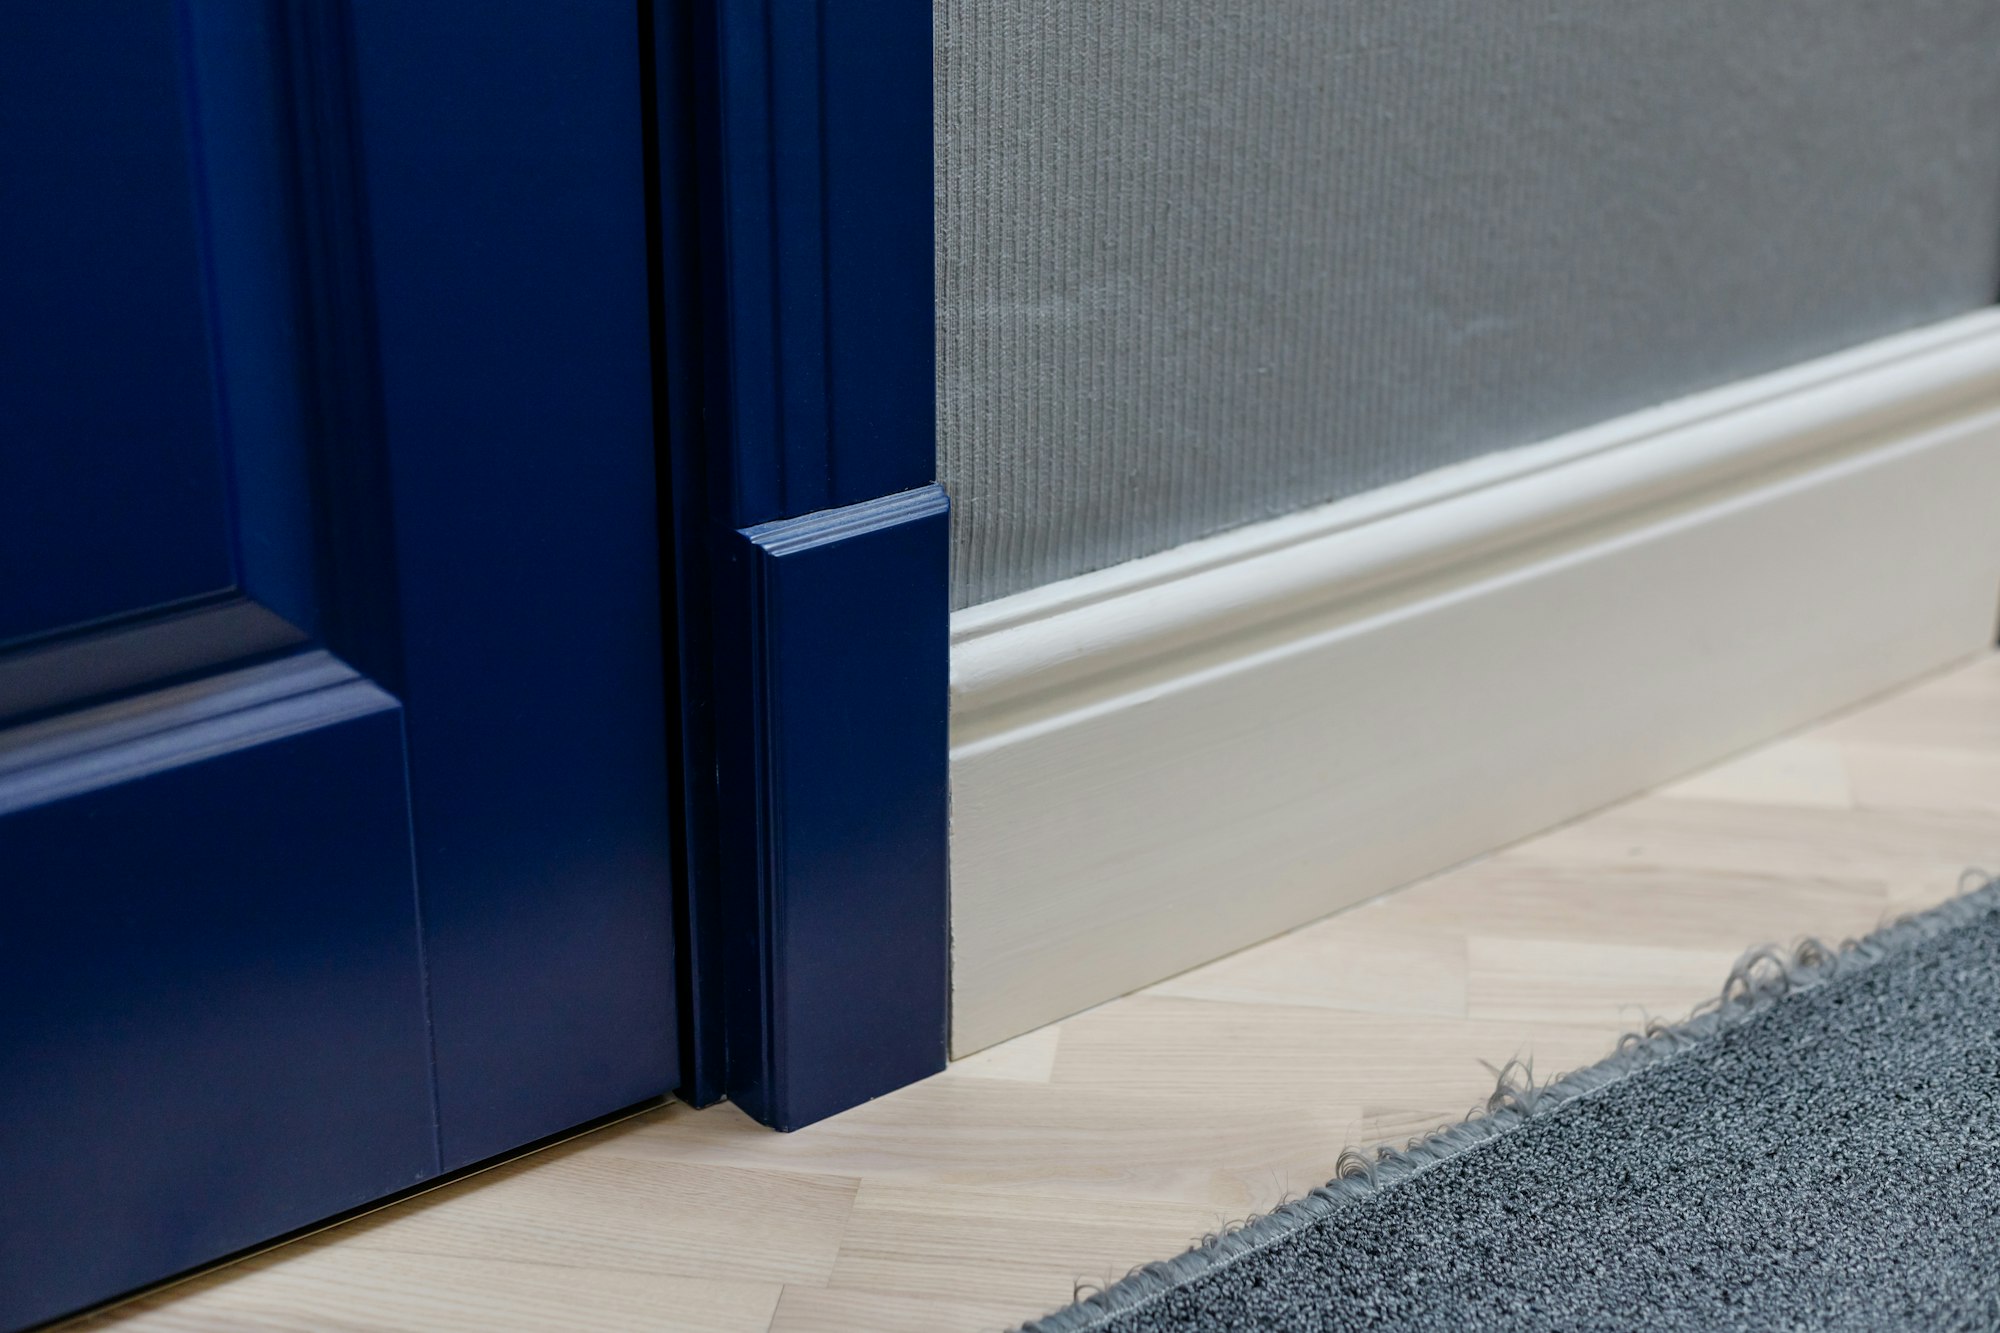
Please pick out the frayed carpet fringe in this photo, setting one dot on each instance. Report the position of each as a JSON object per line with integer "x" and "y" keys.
{"x": 1762, "y": 978}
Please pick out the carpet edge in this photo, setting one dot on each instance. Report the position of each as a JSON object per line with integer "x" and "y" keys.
{"x": 1764, "y": 976}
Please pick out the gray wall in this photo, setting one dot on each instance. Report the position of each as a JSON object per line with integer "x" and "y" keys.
{"x": 1201, "y": 263}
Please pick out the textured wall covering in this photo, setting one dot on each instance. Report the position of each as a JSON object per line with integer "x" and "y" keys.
{"x": 1200, "y": 264}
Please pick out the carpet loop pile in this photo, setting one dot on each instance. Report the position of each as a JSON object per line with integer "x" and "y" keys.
{"x": 1816, "y": 1148}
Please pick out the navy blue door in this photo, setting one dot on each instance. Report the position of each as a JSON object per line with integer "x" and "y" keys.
{"x": 334, "y": 838}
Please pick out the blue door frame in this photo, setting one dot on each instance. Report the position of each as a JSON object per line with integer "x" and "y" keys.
{"x": 794, "y": 324}
{"x": 352, "y": 806}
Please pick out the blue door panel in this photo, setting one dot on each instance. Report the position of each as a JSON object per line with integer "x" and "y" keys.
{"x": 209, "y": 970}
{"x": 107, "y": 419}
{"x": 518, "y": 414}
{"x": 335, "y": 836}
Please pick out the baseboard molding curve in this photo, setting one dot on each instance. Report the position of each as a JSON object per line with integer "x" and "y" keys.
{"x": 1159, "y": 763}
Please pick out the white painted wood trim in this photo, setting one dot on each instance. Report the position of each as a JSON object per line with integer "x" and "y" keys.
{"x": 1165, "y": 761}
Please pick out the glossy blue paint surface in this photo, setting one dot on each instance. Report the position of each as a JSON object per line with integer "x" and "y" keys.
{"x": 509, "y": 250}
{"x": 810, "y": 604}
{"x": 213, "y": 1022}
{"x": 380, "y": 820}
{"x": 817, "y": 121}
{"x": 881, "y": 311}
{"x": 846, "y": 998}
{"x": 105, "y": 402}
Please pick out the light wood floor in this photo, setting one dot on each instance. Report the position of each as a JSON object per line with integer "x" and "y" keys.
{"x": 976, "y": 1199}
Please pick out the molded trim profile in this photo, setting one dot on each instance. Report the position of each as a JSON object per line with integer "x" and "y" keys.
{"x": 156, "y": 732}
{"x": 1159, "y": 763}
{"x": 795, "y": 326}
{"x": 838, "y": 988}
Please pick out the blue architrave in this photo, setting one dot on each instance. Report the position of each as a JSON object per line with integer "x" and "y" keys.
{"x": 803, "y": 130}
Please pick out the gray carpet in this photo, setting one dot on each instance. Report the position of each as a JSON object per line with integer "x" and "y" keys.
{"x": 1818, "y": 1150}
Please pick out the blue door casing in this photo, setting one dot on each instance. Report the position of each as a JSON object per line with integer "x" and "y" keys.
{"x": 795, "y": 328}
{"x": 338, "y": 341}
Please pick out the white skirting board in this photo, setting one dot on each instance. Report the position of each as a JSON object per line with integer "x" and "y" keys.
{"x": 1160, "y": 763}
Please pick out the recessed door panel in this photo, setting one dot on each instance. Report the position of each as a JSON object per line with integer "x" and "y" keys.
{"x": 211, "y": 978}
{"x": 335, "y": 842}
{"x": 112, "y": 490}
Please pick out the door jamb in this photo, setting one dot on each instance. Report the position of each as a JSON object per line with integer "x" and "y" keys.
{"x": 791, "y": 200}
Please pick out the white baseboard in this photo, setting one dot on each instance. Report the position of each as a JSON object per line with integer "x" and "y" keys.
{"x": 1163, "y": 762}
